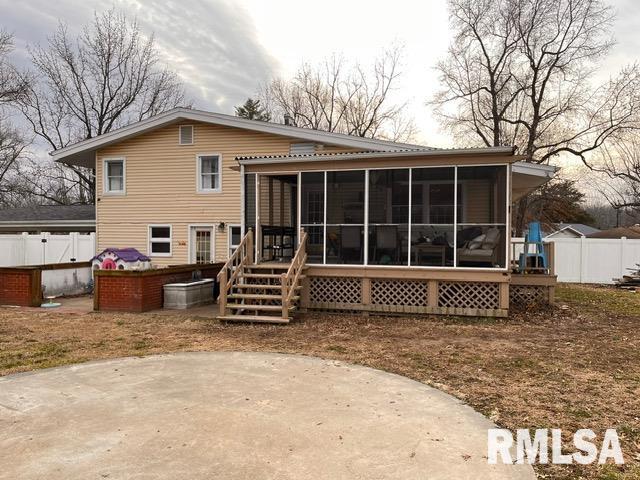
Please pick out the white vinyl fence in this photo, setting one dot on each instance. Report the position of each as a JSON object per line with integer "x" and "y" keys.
{"x": 593, "y": 260}
{"x": 24, "y": 249}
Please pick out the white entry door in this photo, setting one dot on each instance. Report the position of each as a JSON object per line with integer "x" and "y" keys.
{"x": 201, "y": 244}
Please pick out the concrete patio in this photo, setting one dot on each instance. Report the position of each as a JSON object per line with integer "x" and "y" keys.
{"x": 237, "y": 416}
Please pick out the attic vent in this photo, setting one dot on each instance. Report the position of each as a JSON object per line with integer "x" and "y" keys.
{"x": 186, "y": 134}
{"x": 306, "y": 148}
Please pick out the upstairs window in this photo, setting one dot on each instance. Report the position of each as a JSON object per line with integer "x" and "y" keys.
{"x": 209, "y": 173}
{"x": 186, "y": 135}
{"x": 160, "y": 240}
{"x": 114, "y": 176}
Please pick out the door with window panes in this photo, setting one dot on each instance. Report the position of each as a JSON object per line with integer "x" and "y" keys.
{"x": 201, "y": 244}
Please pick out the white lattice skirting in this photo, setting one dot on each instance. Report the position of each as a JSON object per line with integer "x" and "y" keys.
{"x": 409, "y": 293}
{"x": 528, "y": 295}
{"x": 405, "y": 296}
{"x": 469, "y": 295}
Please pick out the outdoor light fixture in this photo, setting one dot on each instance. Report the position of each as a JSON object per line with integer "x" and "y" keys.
{"x": 221, "y": 226}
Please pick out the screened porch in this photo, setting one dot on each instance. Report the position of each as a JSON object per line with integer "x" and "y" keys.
{"x": 452, "y": 217}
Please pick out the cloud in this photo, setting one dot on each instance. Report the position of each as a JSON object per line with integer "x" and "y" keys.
{"x": 212, "y": 45}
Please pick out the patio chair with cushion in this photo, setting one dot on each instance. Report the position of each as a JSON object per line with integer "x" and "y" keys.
{"x": 481, "y": 249}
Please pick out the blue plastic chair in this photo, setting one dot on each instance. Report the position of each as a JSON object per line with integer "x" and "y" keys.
{"x": 533, "y": 248}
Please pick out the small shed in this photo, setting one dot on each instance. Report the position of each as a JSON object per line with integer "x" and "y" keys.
{"x": 121, "y": 259}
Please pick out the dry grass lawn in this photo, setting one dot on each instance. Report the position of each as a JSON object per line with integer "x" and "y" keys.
{"x": 574, "y": 366}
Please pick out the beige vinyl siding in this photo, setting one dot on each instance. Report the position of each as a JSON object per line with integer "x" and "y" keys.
{"x": 161, "y": 186}
{"x": 476, "y": 199}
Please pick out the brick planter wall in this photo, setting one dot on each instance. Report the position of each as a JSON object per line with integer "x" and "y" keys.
{"x": 141, "y": 291}
{"x": 23, "y": 285}
{"x": 20, "y": 286}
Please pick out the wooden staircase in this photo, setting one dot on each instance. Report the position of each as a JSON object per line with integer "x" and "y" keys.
{"x": 260, "y": 292}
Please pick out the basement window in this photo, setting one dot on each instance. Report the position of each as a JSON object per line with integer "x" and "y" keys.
{"x": 160, "y": 240}
{"x": 186, "y": 135}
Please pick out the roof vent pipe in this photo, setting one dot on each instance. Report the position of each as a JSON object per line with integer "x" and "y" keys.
{"x": 288, "y": 120}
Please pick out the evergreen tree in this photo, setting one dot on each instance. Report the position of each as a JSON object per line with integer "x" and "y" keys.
{"x": 252, "y": 110}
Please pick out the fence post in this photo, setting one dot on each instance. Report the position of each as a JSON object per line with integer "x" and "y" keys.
{"x": 583, "y": 259}
{"x": 73, "y": 237}
{"x": 44, "y": 239}
{"x": 623, "y": 242}
{"x": 24, "y": 239}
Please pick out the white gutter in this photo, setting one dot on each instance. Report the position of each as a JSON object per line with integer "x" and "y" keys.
{"x": 537, "y": 169}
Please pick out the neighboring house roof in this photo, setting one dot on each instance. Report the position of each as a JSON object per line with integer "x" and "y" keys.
{"x": 54, "y": 215}
{"x": 82, "y": 153}
{"x": 580, "y": 229}
{"x": 619, "y": 232}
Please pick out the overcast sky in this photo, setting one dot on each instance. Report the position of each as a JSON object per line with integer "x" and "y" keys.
{"x": 224, "y": 50}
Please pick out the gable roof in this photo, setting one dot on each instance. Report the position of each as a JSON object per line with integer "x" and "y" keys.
{"x": 82, "y": 153}
{"x": 48, "y": 213}
{"x": 579, "y": 229}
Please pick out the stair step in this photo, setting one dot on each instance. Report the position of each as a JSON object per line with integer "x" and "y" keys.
{"x": 262, "y": 275}
{"x": 255, "y": 296}
{"x": 266, "y": 275}
{"x": 257, "y": 286}
{"x": 259, "y": 296}
{"x": 265, "y": 308}
{"x": 253, "y": 319}
{"x": 269, "y": 266}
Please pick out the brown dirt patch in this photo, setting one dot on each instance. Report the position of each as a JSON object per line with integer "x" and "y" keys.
{"x": 574, "y": 366}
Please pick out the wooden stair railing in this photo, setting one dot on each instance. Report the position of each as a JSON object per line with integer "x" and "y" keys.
{"x": 234, "y": 268}
{"x": 291, "y": 279}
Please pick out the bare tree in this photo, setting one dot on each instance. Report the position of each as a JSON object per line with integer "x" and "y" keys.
{"x": 108, "y": 76}
{"x": 521, "y": 72}
{"x": 620, "y": 162}
{"x": 335, "y": 97}
{"x": 12, "y": 87}
{"x": 12, "y": 84}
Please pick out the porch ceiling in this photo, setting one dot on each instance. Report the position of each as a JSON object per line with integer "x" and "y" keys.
{"x": 526, "y": 177}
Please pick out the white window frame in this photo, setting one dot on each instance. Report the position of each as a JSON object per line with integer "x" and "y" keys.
{"x": 229, "y": 245}
{"x": 193, "y": 134}
{"x": 191, "y": 229}
{"x": 199, "y": 187}
{"x": 105, "y": 178}
{"x": 151, "y": 240}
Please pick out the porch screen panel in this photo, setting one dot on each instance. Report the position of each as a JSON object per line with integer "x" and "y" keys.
{"x": 312, "y": 214}
{"x": 482, "y": 220}
{"x": 250, "y": 201}
{"x": 344, "y": 243}
{"x": 433, "y": 205}
{"x": 388, "y": 217}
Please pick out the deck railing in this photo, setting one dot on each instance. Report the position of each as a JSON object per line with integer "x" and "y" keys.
{"x": 518, "y": 246}
{"x": 291, "y": 279}
{"x": 233, "y": 269}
